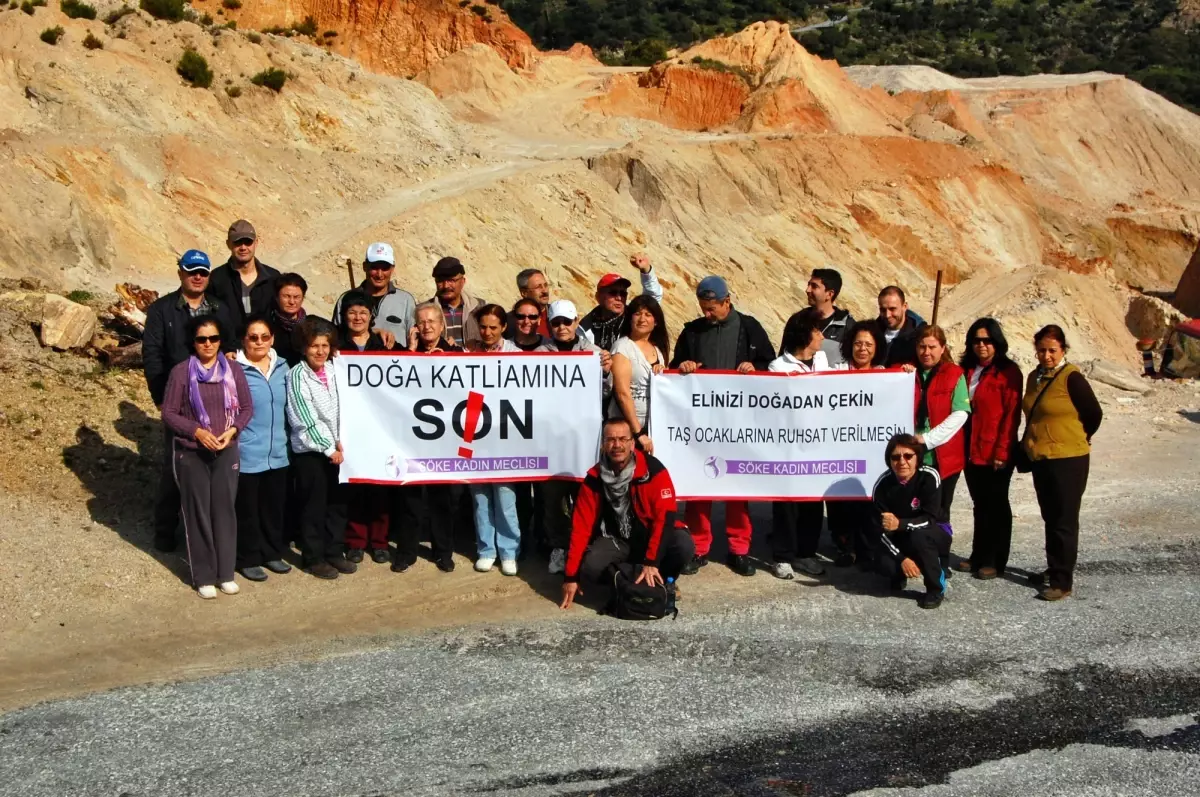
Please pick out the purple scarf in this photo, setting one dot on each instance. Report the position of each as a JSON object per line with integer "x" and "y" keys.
{"x": 220, "y": 372}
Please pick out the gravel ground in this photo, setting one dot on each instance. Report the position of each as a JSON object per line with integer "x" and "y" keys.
{"x": 829, "y": 687}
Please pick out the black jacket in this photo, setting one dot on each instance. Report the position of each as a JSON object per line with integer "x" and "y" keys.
{"x": 374, "y": 342}
{"x": 165, "y": 343}
{"x": 917, "y": 504}
{"x": 753, "y": 345}
{"x": 225, "y": 285}
{"x": 903, "y": 348}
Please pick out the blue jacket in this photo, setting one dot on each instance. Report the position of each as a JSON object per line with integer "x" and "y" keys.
{"x": 263, "y": 445}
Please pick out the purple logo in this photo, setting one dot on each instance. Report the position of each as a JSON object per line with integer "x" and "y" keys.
{"x": 714, "y": 467}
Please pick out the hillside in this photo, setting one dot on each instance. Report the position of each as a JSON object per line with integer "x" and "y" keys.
{"x": 1155, "y": 42}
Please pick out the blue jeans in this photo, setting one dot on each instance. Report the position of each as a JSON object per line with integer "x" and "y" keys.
{"x": 496, "y": 525}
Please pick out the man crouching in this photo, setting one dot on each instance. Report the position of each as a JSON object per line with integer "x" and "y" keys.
{"x": 625, "y": 512}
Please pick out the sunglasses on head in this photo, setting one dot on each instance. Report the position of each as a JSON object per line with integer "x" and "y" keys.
{"x": 521, "y": 317}
{"x": 561, "y": 322}
{"x": 207, "y": 339}
{"x": 903, "y": 456}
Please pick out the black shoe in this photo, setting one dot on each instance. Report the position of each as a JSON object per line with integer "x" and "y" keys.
{"x": 381, "y": 556}
{"x": 931, "y": 600}
{"x": 343, "y": 565}
{"x": 740, "y": 564}
{"x": 445, "y": 564}
{"x": 401, "y": 564}
{"x": 693, "y": 567}
{"x": 323, "y": 570}
{"x": 253, "y": 573}
{"x": 278, "y": 566}
{"x": 865, "y": 563}
{"x": 844, "y": 560}
{"x": 354, "y": 555}
{"x": 1037, "y": 579}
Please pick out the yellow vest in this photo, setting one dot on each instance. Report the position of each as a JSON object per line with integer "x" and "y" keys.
{"x": 1054, "y": 430}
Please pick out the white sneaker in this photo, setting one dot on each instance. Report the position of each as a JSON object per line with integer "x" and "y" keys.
{"x": 484, "y": 564}
{"x": 811, "y": 566}
{"x": 558, "y": 560}
{"x": 783, "y": 570}
{"x": 508, "y": 567}
{"x": 208, "y": 592}
{"x": 230, "y": 587}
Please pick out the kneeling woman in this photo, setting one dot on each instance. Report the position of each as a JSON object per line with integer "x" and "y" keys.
{"x": 915, "y": 536}
{"x": 312, "y": 412}
{"x": 207, "y": 404}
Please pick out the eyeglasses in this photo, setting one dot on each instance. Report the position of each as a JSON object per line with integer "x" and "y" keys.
{"x": 982, "y": 341}
{"x": 903, "y": 456}
{"x": 207, "y": 339}
{"x": 446, "y": 280}
{"x": 255, "y": 338}
{"x": 561, "y": 322}
{"x": 864, "y": 344}
{"x": 533, "y": 317}
{"x": 610, "y": 440}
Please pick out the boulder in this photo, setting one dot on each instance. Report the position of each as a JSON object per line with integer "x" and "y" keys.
{"x": 1150, "y": 318}
{"x": 1111, "y": 374}
{"x": 65, "y": 324}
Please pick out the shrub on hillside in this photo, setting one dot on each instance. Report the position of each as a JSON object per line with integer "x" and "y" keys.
{"x": 170, "y": 10}
{"x": 194, "y": 69}
{"x": 253, "y": 38}
{"x": 27, "y": 7}
{"x": 113, "y": 17}
{"x": 233, "y": 91}
{"x": 330, "y": 34}
{"x": 270, "y": 78}
{"x": 306, "y": 28}
{"x": 232, "y": 5}
{"x": 52, "y": 35}
{"x": 92, "y": 43}
{"x": 76, "y": 9}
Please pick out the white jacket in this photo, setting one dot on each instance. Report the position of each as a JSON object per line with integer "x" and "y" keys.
{"x": 788, "y": 364}
{"x": 312, "y": 411}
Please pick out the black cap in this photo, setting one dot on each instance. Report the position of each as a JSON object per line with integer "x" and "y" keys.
{"x": 354, "y": 299}
{"x": 448, "y": 268}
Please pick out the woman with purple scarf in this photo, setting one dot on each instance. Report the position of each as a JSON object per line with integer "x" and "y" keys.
{"x": 207, "y": 404}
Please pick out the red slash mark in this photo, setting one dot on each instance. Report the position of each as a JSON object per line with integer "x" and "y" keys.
{"x": 474, "y": 407}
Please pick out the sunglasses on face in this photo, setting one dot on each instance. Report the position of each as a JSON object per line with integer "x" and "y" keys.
{"x": 561, "y": 322}
{"x": 527, "y": 317}
{"x": 258, "y": 338}
{"x": 621, "y": 293}
{"x": 207, "y": 339}
{"x": 243, "y": 242}
{"x": 904, "y": 456}
{"x": 982, "y": 341}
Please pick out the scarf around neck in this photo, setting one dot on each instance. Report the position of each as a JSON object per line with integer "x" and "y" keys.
{"x": 616, "y": 490}
{"x": 220, "y": 372}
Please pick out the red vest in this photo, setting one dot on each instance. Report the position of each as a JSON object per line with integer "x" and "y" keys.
{"x": 995, "y": 415}
{"x": 939, "y": 395}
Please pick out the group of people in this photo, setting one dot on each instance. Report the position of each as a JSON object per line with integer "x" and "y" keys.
{"x": 250, "y": 407}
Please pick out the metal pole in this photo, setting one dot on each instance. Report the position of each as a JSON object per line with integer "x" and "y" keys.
{"x": 937, "y": 297}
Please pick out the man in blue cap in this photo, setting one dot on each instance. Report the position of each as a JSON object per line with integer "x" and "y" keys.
{"x": 722, "y": 339}
{"x": 164, "y": 345}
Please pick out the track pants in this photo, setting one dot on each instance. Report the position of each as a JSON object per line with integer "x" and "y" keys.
{"x": 421, "y": 510}
{"x": 851, "y": 528}
{"x": 737, "y": 526}
{"x": 559, "y": 499}
{"x": 1060, "y": 485}
{"x": 675, "y": 550}
{"x": 323, "y": 508}
{"x": 367, "y": 516}
{"x": 795, "y": 529}
{"x": 208, "y": 483}
{"x": 948, "y": 485}
{"x": 260, "y": 505}
{"x": 993, "y": 515}
{"x": 927, "y": 546}
{"x": 167, "y": 502}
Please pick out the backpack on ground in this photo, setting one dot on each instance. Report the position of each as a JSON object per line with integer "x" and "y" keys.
{"x": 632, "y": 601}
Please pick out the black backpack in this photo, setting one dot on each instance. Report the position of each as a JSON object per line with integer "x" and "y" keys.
{"x": 630, "y": 601}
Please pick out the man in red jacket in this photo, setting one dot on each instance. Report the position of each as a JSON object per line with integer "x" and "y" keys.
{"x": 625, "y": 512}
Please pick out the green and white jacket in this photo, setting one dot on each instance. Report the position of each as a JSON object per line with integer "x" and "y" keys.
{"x": 312, "y": 411}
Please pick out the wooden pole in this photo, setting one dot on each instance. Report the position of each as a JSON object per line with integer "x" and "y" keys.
{"x": 937, "y": 297}
{"x": 350, "y": 273}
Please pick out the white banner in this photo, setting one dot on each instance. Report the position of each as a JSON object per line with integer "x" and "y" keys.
{"x": 773, "y": 437}
{"x": 435, "y": 418}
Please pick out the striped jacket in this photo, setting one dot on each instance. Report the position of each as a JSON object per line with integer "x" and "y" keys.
{"x": 312, "y": 411}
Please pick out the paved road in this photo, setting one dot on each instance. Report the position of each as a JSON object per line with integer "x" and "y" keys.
{"x": 824, "y": 689}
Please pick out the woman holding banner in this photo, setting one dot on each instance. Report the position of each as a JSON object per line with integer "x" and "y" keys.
{"x": 796, "y": 525}
{"x": 863, "y": 348}
{"x": 421, "y": 506}
{"x": 994, "y": 385}
{"x": 943, "y": 405}
{"x": 312, "y": 413}
{"x": 640, "y": 352}
{"x": 366, "y": 504}
{"x": 497, "y": 530}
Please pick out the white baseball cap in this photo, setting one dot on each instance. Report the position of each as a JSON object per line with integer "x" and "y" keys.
{"x": 562, "y": 308}
{"x": 381, "y": 253}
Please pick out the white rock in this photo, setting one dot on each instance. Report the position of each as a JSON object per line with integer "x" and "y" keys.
{"x": 65, "y": 324}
